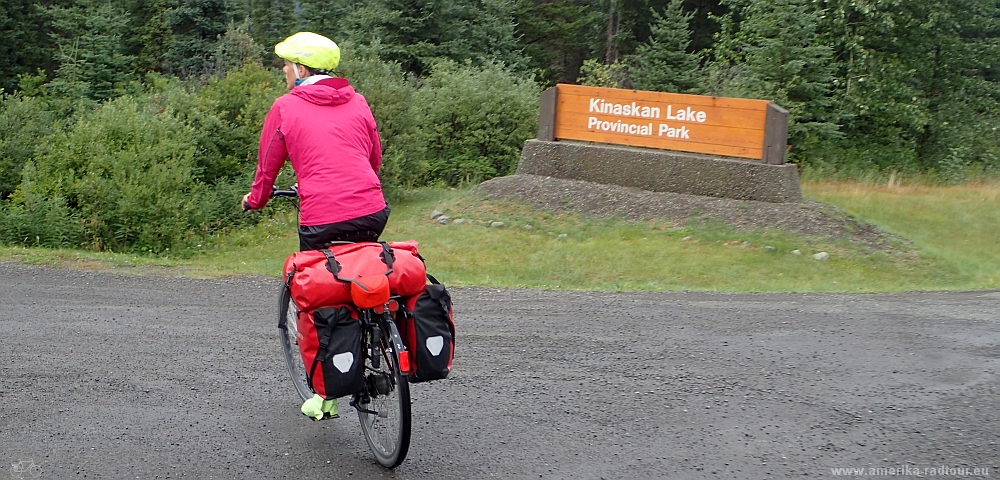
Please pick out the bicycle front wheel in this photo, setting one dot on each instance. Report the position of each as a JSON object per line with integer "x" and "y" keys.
{"x": 289, "y": 336}
{"x": 384, "y": 409}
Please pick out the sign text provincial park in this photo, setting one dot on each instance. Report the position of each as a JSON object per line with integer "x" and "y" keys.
{"x": 734, "y": 127}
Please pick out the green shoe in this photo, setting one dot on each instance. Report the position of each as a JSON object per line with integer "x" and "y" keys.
{"x": 313, "y": 408}
{"x": 318, "y": 409}
{"x": 330, "y": 409}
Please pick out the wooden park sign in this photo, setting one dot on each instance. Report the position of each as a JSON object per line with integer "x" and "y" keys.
{"x": 732, "y": 127}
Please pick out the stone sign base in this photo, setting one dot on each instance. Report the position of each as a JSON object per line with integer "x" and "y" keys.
{"x": 661, "y": 170}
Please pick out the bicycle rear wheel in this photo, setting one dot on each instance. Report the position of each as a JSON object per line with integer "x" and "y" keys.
{"x": 384, "y": 410}
{"x": 288, "y": 330}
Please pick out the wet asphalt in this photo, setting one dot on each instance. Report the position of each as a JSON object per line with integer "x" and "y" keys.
{"x": 105, "y": 375}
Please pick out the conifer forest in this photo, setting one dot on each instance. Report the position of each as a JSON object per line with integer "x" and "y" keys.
{"x": 133, "y": 125}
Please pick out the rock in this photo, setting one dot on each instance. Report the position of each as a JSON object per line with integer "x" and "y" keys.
{"x": 528, "y": 227}
{"x": 496, "y": 224}
{"x": 821, "y": 256}
{"x": 796, "y": 252}
{"x": 562, "y": 235}
{"x": 771, "y": 249}
{"x": 745, "y": 244}
{"x": 443, "y": 219}
{"x": 436, "y": 214}
{"x": 459, "y": 221}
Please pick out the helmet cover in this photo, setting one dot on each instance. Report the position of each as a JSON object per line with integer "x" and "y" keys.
{"x": 312, "y": 50}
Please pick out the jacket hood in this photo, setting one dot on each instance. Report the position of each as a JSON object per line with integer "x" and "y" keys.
{"x": 333, "y": 91}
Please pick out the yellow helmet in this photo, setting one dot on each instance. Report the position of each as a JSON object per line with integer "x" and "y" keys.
{"x": 309, "y": 49}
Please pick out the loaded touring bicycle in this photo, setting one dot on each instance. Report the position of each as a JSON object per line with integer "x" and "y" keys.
{"x": 363, "y": 321}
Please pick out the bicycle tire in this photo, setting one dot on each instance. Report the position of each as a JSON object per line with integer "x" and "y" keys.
{"x": 386, "y": 423}
{"x": 288, "y": 333}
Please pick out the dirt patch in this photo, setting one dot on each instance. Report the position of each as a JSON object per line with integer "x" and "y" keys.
{"x": 806, "y": 217}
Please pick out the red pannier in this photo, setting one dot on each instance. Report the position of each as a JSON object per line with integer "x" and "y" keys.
{"x": 320, "y": 278}
{"x": 428, "y": 329}
{"x": 330, "y": 344}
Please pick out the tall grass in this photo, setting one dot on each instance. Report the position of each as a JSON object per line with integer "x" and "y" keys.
{"x": 957, "y": 225}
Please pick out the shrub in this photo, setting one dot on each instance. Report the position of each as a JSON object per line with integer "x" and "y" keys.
{"x": 25, "y": 123}
{"x": 225, "y": 117}
{"x": 128, "y": 172}
{"x": 597, "y": 74}
{"x": 474, "y": 121}
{"x": 390, "y": 94}
{"x": 40, "y": 222}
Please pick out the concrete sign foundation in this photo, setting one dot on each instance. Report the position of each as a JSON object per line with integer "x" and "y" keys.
{"x": 698, "y": 145}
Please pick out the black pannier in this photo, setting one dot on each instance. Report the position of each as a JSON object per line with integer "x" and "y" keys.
{"x": 428, "y": 330}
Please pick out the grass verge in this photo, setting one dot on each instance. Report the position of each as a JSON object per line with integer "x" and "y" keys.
{"x": 955, "y": 233}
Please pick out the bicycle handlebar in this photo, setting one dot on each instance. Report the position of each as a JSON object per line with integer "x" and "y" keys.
{"x": 293, "y": 191}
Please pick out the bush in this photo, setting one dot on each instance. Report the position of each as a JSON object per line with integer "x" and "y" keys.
{"x": 474, "y": 121}
{"x": 25, "y": 124}
{"x": 225, "y": 117}
{"x": 40, "y": 222}
{"x": 390, "y": 94}
{"x": 164, "y": 166}
{"x": 597, "y": 74}
{"x": 128, "y": 172}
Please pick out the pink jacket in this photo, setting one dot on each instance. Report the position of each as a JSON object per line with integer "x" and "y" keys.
{"x": 328, "y": 132}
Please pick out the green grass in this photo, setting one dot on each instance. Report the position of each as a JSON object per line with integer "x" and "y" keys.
{"x": 955, "y": 233}
{"x": 570, "y": 251}
{"x": 956, "y": 226}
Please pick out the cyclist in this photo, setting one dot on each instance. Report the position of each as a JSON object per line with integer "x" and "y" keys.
{"x": 327, "y": 131}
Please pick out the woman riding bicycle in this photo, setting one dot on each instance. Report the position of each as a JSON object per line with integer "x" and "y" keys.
{"x": 327, "y": 131}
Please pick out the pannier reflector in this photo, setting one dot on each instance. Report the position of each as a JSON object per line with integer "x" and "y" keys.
{"x": 435, "y": 344}
{"x": 343, "y": 361}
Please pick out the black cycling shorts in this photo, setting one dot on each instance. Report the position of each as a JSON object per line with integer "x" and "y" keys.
{"x": 361, "y": 229}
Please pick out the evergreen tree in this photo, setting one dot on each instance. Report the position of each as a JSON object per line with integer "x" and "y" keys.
{"x": 331, "y": 18}
{"x": 91, "y": 52}
{"x": 271, "y": 21}
{"x": 147, "y": 37}
{"x": 663, "y": 63}
{"x": 770, "y": 49}
{"x": 22, "y": 41}
{"x": 195, "y": 26}
{"x": 553, "y": 35}
{"x": 704, "y": 24}
{"x": 235, "y": 49}
{"x": 417, "y": 34}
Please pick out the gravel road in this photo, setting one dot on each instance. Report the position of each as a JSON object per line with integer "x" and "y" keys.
{"x": 112, "y": 376}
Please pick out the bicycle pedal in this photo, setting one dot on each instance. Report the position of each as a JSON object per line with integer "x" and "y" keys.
{"x": 326, "y": 416}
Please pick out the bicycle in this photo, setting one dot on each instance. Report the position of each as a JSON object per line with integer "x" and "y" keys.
{"x": 383, "y": 405}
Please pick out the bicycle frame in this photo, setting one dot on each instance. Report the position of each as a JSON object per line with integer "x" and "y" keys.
{"x": 372, "y": 325}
